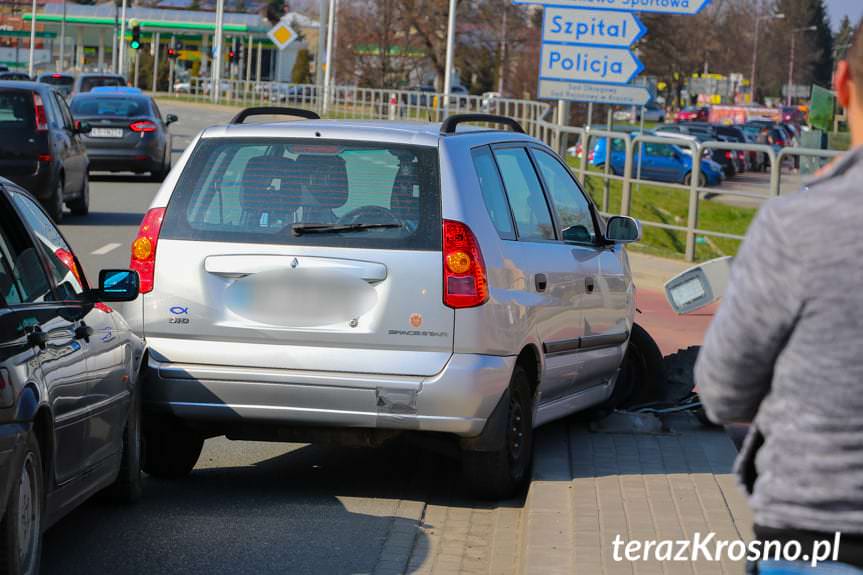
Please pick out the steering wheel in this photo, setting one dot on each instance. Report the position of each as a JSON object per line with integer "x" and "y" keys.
{"x": 370, "y": 215}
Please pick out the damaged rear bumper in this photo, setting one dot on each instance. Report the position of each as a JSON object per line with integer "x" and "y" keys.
{"x": 457, "y": 400}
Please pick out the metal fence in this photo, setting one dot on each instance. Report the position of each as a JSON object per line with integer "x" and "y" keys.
{"x": 351, "y": 102}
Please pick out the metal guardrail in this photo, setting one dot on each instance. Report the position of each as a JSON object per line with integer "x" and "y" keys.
{"x": 353, "y": 102}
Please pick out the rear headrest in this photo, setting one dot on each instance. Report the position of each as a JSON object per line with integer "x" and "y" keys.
{"x": 270, "y": 183}
{"x": 325, "y": 179}
{"x": 403, "y": 203}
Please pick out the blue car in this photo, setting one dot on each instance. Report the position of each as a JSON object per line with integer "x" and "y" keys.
{"x": 659, "y": 162}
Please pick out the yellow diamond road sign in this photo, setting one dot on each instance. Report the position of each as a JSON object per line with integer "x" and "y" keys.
{"x": 282, "y": 35}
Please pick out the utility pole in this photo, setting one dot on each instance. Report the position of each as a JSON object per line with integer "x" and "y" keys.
{"x": 154, "y": 51}
{"x": 31, "y": 61}
{"x": 63, "y": 40}
{"x": 122, "y": 64}
{"x": 450, "y": 54}
{"x": 503, "y": 51}
{"x": 790, "y": 88}
{"x": 216, "y": 76}
{"x": 752, "y": 76}
{"x": 328, "y": 73}
{"x": 322, "y": 43}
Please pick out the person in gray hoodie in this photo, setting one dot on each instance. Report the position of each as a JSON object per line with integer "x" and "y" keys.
{"x": 785, "y": 353}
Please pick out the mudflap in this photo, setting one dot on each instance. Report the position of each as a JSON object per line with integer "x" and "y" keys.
{"x": 493, "y": 436}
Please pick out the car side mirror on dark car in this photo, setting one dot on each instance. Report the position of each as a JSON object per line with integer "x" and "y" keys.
{"x": 170, "y": 119}
{"x": 82, "y": 127}
{"x": 623, "y": 230}
{"x": 118, "y": 285}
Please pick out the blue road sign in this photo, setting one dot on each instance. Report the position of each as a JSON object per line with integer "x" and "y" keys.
{"x": 591, "y": 27}
{"x": 588, "y": 64}
{"x": 659, "y": 6}
{"x": 596, "y": 93}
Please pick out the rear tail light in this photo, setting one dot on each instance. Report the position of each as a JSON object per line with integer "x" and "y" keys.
{"x": 144, "y": 248}
{"x": 143, "y": 126}
{"x": 729, "y": 156}
{"x": 44, "y": 157}
{"x": 39, "y": 113}
{"x": 465, "y": 280}
{"x": 741, "y": 155}
{"x": 69, "y": 261}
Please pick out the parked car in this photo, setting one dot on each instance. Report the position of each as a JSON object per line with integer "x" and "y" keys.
{"x": 69, "y": 382}
{"x": 422, "y": 96}
{"x": 350, "y": 281}
{"x": 15, "y": 76}
{"x": 703, "y": 132}
{"x": 693, "y": 114}
{"x": 86, "y": 82}
{"x": 665, "y": 163}
{"x": 41, "y": 149}
{"x": 128, "y": 132}
{"x": 63, "y": 83}
{"x": 652, "y": 113}
{"x": 746, "y": 160}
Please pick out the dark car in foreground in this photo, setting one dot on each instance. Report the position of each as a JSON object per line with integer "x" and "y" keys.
{"x": 70, "y": 422}
{"x": 41, "y": 148}
{"x": 128, "y": 132}
{"x": 63, "y": 83}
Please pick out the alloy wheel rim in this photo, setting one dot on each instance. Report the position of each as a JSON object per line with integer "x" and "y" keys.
{"x": 28, "y": 514}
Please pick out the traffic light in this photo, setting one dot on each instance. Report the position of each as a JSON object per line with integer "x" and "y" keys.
{"x": 136, "y": 35}
{"x": 232, "y": 55}
{"x": 172, "y": 53}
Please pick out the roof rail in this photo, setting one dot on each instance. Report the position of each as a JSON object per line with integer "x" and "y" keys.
{"x": 450, "y": 124}
{"x": 274, "y": 111}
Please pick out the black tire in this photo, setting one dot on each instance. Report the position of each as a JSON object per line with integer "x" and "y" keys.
{"x": 159, "y": 176}
{"x": 80, "y": 206}
{"x": 642, "y": 374}
{"x": 54, "y": 204}
{"x": 499, "y": 474}
{"x": 129, "y": 485}
{"x": 679, "y": 374}
{"x": 26, "y": 504}
{"x": 702, "y": 180}
{"x": 169, "y": 450}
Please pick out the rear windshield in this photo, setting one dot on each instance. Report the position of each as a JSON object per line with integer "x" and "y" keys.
{"x": 263, "y": 191}
{"x": 16, "y": 109}
{"x": 57, "y": 80}
{"x": 91, "y": 82}
{"x": 111, "y": 106}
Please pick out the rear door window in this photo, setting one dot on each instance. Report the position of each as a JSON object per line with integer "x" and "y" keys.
{"x": 493, "y": 193}
{"x": 275, "y": 191}
{"x": 16, "y": 109}
{"x": 529, "y": 208}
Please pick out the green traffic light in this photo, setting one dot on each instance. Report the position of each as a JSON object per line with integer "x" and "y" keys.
{"x": 135, "y": 44}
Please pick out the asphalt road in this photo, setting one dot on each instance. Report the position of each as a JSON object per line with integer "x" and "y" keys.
{"x": 248, "y": 507}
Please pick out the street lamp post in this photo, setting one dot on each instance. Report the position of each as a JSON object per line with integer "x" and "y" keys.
{"x": 794, "y": 33}
{"x": 31, "y": 62}
{"x": 216, "y": 74}
{"x": 752, "y": 77}
{"x": 328, "y": 73}
{"x": 121, "y": 64}
{"x": 450, "y": 54}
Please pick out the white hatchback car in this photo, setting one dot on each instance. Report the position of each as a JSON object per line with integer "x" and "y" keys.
{"x": 351, "y": 281}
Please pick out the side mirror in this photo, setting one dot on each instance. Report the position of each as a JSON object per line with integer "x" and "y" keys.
{"x": 170, "y": 119}
{"x": 118, "y": 285}
{"x": 82, "y": 127}
{"x": 623, "y": 230}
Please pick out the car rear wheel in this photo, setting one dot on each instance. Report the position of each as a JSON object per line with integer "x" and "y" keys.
{"x": 702, "y": 180}
{"x": 170, "y": 451}
{"x": 129, "y": 485}
{"x": 159, "y": 176}
{"x": 498, "y": 474}
{"x": 80, "y": 206}
{"x": 54, "y": 204}
{"x": 21, "y": 529}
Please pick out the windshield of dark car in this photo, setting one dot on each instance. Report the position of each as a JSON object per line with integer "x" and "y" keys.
{"x": 110, "y": 106}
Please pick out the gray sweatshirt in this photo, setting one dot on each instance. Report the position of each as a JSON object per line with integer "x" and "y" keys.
{"x": 786, "y": 350}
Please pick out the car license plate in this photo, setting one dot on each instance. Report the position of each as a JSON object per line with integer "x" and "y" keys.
{"x": 107, "y": 132}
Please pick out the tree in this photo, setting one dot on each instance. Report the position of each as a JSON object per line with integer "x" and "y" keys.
{"x": 843, "y": 39}
{"x": 302, "y": 74}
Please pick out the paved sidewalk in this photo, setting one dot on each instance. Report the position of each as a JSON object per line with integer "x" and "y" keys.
{"x": 589, "y": 487}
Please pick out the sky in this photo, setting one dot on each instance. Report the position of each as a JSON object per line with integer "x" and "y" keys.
{"x": 840, "y": 8}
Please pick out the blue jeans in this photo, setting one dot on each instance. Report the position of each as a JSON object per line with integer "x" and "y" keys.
{"x": 800, "y": 568}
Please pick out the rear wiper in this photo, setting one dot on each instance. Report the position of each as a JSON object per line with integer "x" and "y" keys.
{"x": 300, "y": 229}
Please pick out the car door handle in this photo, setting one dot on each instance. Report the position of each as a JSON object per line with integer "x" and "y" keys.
{"x": 541, "y": 282}
{"x": 37, "y": 338}
{"x": 589, "y": 285}
{"x": 84, "y": 332}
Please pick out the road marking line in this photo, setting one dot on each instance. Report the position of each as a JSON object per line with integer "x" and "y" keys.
{"x": 107, "y": 248}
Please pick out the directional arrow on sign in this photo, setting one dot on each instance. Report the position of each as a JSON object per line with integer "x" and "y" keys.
{"x": 588, "y": 64}
{"x": 660, "y": 6}
{"x": 591, "y": 27}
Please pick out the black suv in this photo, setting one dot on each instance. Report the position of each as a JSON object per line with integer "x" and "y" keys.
{"x": 41, "y": 148}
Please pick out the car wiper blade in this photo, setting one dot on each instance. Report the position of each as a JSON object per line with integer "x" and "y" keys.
{"x": 300, "y": 229}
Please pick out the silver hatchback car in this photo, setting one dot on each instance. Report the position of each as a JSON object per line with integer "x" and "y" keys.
{"x": 351, "y": 281}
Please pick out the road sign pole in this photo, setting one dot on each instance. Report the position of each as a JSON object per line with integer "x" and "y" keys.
{"x": 121, "y": 61}
{"x": 31, "y": 60}
{"x": 450, "y": 55}
{"x": 155, "y": 52}
{"x": 137, "y": 60}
